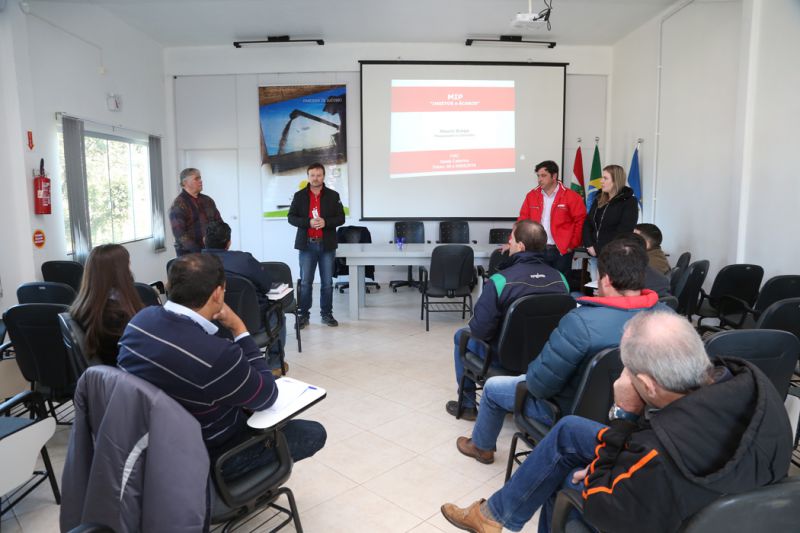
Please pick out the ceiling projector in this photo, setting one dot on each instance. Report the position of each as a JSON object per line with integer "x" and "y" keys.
{"x": 529, "y": 21}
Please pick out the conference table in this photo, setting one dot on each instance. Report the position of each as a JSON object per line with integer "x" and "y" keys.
{"x": 359, "y": 256}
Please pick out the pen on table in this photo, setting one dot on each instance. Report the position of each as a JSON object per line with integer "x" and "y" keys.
{"x": 312, "y": 387}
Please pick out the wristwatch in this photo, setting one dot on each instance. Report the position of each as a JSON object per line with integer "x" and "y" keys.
{"x": 616, "y": 413}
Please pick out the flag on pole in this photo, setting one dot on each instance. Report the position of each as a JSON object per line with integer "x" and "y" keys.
{"x": 634, "y": 180}
{"x": 594, "y": 178}
{"x": 577, "y": 174}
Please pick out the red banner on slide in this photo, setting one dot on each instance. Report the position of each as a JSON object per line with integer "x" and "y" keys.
{"x": 451, "y": 161}
{"x": 428, "y": 99}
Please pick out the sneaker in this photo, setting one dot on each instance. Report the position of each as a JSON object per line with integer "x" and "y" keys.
{"x": 328, "y": 320}
{"x": 467, "y": 413}
{"x": 303, "y": 321}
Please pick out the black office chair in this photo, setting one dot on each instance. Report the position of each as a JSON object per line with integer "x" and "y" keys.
{"x": 738, "y": 281}
{"x": 147, "y": 294}
{"x": 593, "y": 399}
{"x": 69, "y": 272}
{"x": 783, "y": 315}
{"x": 34, "y": 331}
{"x": 45, "y": 292}
{"x": 454, "y": 232}
{"x": 353, "y": 235}
{"x": 769, "y": 508}
{"x": 496, "y": 259}
{"x": 412, "y": 232}
{"x": 689, "y": 291}
{"x": 678, "y": 271}
{"x": 669, "y": 301}
{"x": 169, "y": 264}
{"x": 74, "y": 338}
{"x": 240, "y": 295}
{"x": 452, "y": 270}
{"x": 525, "y": 330}
{"x": 499, "y": 235}
{"x": 22, "y": 439}
{"x": 736, "y": 314}
{"x": 773, "y": 351}
{"x": 281, "y": 273}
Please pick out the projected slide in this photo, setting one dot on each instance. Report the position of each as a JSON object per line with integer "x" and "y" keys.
{"x": 450, "y": 127}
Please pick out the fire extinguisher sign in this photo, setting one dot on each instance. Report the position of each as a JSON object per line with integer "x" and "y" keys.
{"x": 39, "y": 238}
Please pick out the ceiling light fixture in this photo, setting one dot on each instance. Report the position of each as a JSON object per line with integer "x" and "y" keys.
{"x": 508, "y": 39}
{"x": 277, "y": 39}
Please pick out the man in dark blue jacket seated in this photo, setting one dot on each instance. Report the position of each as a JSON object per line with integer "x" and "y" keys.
{"x": 218, "y": 242}
{"x": 175, "y": 348}
{"x": 523, "y": 274}
{"x": 554, "y": 375}
{"x": 682, "y": 433}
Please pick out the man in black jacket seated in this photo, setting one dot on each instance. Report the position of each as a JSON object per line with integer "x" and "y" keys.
{"x": 524, "y": 273}
{"x": 316, "y": 211}
{"x": 682, "y": 433}
{"x": 218, "y": 242}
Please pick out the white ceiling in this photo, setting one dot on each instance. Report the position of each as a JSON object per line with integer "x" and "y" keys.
{"x": 220, "y": 22}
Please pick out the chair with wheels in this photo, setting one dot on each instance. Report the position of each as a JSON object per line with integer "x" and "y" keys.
{"x": 240, "y": 295}
{"x": 411, "y": 232}
{"x": 69, "y": 272}
{"x": 451, "y": 272}
{"x": 102, "y": 394}
{"x": 593, "y": 398}
{"x": 499, "y": 235}
{"x": 678, "y": 271}
{"x": 281, "y": 273}
{"x": 45, "y": 292}
{"x": 35, "y": 334}
{"x": 22, "y": 440}
{"x": 525, "y": 330}
{"x": 737, "y": 281}
{"x": 353, "y": 235}
{"x": 689, "y": 291}
{"x": 454, "y": 232}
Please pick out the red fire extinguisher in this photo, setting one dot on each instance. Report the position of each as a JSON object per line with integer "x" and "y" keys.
{"x": 41, "y": 191}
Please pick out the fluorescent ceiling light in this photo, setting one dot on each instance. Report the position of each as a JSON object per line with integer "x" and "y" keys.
{"x": 277, "y": 39}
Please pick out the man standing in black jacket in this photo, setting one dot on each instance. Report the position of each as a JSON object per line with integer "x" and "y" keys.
{"x": 316, "y": 211}
{"x": 682, "y": 433}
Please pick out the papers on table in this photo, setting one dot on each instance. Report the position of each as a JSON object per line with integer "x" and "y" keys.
{"x": 293, "y": 396}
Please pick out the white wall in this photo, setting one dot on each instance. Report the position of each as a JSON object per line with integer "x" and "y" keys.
{"x": 772, "y": 193}
{"x": 67, "y": 58}
{"x": 216, "y": 109}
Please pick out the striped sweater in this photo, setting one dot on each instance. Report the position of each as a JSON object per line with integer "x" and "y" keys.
{"x": 213, "y": 378}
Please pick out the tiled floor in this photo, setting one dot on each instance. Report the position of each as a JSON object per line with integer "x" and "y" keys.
{"x": 390, "y": 460}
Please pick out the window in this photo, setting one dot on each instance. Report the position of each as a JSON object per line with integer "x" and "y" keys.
{"x": 116, "y": 182}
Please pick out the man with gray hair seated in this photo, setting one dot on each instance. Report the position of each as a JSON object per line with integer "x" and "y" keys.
{"x": 683, "y": 432}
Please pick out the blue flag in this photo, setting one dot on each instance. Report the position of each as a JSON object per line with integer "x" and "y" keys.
{"x": 634, "y": 179}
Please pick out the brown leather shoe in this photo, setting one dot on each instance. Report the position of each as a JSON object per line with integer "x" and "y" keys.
{"x": 471, "y": 518}
{"x": 465, "y": 446}
{"x": 276, "y": 372}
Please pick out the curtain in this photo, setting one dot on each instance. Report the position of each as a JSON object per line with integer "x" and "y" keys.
{"x": 157, "y": 193}
{"x": 75, "y": 163}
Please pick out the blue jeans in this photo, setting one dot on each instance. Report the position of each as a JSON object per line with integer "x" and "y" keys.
{"x": 304, "y": 437}
{"x": 469, "y": 385}
{"x": 309, "y": 258}
{"x": 569, "y": 446}
{"x": 496, "y": 402}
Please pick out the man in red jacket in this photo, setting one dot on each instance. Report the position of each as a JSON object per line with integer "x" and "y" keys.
{"x": 560, "y": 210}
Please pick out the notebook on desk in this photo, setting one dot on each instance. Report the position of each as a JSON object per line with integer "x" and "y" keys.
{"x": 294, "y": 396}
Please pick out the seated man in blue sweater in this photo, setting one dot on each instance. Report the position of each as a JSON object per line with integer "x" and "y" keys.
{"x": 523, "y": 274}
{"x": 218, "y": 381}
{"x": 217, "y": 241}
{"x": 554, "y": 375}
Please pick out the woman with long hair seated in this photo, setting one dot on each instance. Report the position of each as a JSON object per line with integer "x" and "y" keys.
{"x": 106, "y": 302}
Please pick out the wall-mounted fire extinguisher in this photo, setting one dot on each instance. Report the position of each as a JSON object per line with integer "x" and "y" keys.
{"x": 41, "y": 191}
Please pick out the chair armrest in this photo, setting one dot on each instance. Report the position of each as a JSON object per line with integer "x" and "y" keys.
{"x": 522, "y": 394}
{"x": 275, "y": 309}
{"x": 567, "y": 500}
{"x": 703, "y": 296}
{"x": 4, "y": 348}
{"x": 282, "y": 457}
{"x": 481, "y": 271}
{"x": 462, "y": 350}
{"x": 474, "y": 242}
{"x": 731, "y": 304}
{"x": 159, "y": 286}
{"x": 26, "y": 397}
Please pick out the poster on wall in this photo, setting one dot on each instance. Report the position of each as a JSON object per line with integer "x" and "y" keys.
{"x": 300, "y": 125}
